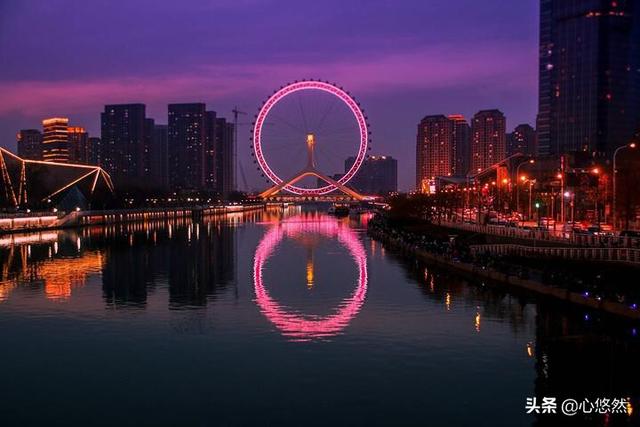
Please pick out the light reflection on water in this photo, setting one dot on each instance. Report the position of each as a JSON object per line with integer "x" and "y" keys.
{"x": 281, "y": 317}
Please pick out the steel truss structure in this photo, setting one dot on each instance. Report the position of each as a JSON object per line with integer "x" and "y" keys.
{"x": 28, "y": 182}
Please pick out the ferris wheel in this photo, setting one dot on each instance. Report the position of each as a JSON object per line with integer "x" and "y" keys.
{"x": 310, "y": 138}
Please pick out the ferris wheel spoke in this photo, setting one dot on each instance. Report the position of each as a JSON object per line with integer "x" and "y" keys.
{"x": 332, "y": 104}
{"x": 342, "y": 131}
{"x": 304, "y": 117}
{"x": 287, "y": 122}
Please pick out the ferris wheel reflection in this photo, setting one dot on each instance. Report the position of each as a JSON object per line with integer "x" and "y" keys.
{"x": 297, "y": 326}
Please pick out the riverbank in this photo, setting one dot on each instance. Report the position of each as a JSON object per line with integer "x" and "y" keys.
{"x": 34, "y": 222}
{"x": 445, "y": 255}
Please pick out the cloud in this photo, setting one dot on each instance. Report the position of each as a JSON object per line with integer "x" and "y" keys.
{"x": 420, "y": 69}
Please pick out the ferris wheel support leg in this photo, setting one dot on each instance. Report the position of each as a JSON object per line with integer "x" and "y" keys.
{"x": 277, "y": 188}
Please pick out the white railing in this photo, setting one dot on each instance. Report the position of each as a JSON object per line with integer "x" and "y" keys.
{"x": 571, "y": 238}
{"x": 628, "y": 255}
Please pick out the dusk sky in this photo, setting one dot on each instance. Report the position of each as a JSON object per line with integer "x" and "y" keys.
{"x": 402, "y": 59}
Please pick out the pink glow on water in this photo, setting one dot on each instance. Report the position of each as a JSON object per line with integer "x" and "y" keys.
{"x": 304, "y": 327}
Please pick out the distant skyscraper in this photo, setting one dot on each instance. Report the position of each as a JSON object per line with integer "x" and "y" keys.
{"x": 225, "y": 168}
{"x": 78, "y": 142}
{"x": 55, "y": 140}
{"x": 187, "y": 141}
{"x": 589, "y": 75}
{"x": 122, "y": 148}
{"x": 435, "y": 155}
{"x": 488, "y": 139}
{"x": 461, "y": 144}
{"x": 30, "y": 144}
{"x": 378, "y": 175}
{"x": 522, "y": 140}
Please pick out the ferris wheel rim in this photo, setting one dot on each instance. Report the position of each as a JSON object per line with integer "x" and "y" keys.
{"x": 326, "y": 87}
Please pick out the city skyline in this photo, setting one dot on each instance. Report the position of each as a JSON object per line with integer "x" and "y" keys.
{"x": 399, "y": 75}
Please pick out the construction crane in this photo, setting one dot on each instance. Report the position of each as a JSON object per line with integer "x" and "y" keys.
{"x": 236, "y": 164}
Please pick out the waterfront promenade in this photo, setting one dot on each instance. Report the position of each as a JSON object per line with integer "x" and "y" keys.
{"x": 546, "y": 236}
{"x": 37, "y": 221}
{"x": 488, "y": 263}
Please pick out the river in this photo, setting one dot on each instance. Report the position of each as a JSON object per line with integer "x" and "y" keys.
{"x": 286, "y": 317}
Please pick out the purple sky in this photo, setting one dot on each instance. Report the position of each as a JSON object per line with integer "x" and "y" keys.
{"x": 401, "y": 59}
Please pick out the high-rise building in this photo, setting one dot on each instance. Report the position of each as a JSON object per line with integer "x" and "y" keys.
{"x": 159, "y": 156}
{"x": 461, "y": 144}
{"x": 187, "y": 141}
{"x": 225, "y": 167}
{"x": 589, "y": 75}
{"x": 55, "y": 140}
{"x": 92, "y": 151}
{"x": 210, "y": 151}
{"x": 30, "y": 144}
{"x": 123, "y": 142}
{"x": 78, "y": 142}
{"x": 522, "y": 140}
{"x": 378, "y": 175}
{"x": 435, "y": 155}
{"x": 488, "y": 139}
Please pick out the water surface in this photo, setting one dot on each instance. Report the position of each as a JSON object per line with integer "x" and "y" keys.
{"x": 281, "y": 318}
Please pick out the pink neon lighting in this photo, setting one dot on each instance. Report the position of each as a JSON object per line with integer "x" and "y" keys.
{"x": 297, "y": 326}
{"x": 310, "y": 85}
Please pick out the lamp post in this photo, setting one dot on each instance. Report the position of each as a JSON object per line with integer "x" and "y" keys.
{"x": 560, "y": 176}
{"x": 568, "y": 195}
{"x": 615, "y": 171}
{"x": 530, "y": 161}
{"x": 531, "y": 182}
{"x": 596, "y": 172}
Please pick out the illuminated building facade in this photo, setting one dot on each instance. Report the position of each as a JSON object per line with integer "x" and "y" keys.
{"x": 78, "y": 141}
{"x": 30, "y": 144}
{"x": 210, "y": 150}
{"x": 522, "y": 140}
{"x": 461, "y": 144}
{"x": 159, "y": 156}
{"x": 488, "y": 139}
{"x": 197, "y": 141}
{"x": 225, "y": 166}
{"x": 122, "y": 142}
{"x": 55, "y": 140}
{"x": 378, "y": 175}
{"x": 589, "y": 75}
{"x": 92, "y": 151}
{"x": 435, "y": 154}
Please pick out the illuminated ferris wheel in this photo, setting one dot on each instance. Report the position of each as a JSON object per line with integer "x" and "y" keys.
{"x": 310, "y": 138}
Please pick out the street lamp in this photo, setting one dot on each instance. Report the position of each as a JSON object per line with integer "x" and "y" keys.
{"x": 615, "y": 171}
{"x": 530, "y": 161}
